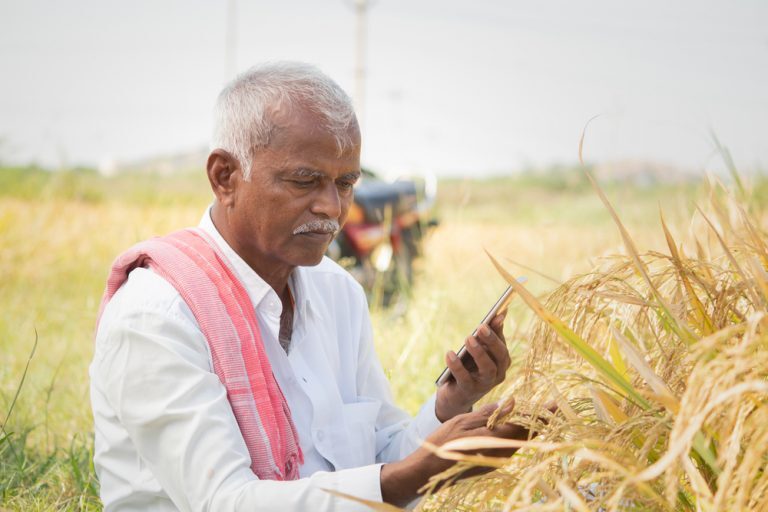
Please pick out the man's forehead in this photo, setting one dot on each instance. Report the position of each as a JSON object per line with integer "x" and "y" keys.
{"x": 298, "y": 116}
{"x": 286, "y": 116}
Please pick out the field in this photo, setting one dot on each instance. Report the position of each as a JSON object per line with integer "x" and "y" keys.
{"x": 59, "y": 233}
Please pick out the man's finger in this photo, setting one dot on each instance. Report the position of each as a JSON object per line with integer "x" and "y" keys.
{"x": 501, "y": 431}
{"x": 507, "y": 407}
{"x": 479, "y": 418}
{"x": 497, "y": 350}
{"x": 459, "y": 372}
{"x": 497, "y": 323}
{"x": 487, "y": 409}
{"x": 486, "y": 367}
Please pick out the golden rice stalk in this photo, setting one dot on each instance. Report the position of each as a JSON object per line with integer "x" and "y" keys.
{"x": 661, "y": 363}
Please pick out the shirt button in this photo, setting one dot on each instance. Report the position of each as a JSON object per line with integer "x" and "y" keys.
{"x": 320, "y": 435}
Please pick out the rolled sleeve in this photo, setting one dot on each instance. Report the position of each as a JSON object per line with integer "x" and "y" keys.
{"x": 363, "y": 482}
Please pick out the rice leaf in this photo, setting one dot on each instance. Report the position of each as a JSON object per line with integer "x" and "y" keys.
{"x": 637, "y": 361}
{"x": 563, "y": 407}
{"x": 608, "y": 408}
{"x": 702, "y": 255}
{"x": 663, "y": 395}
{"x": 692, "y": 429}
{"x": 665, "y": 312}
{"x": 616, "y": 358}
{"x": 729, "y": 254}
{"x": 534, "y": 271}
{"x": 581, "y": 139}
{"x": 670, "y": 403}
{"x": 698, "y": 482}
{"x": 729, "y": 163}
{"x": 703, "y": 318}
{"x": 606, "y": 369}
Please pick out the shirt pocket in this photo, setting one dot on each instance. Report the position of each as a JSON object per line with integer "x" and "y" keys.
{"x": 360, "y": 432}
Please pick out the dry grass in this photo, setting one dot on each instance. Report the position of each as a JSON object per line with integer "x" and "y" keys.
{"x": 53, "y": 257}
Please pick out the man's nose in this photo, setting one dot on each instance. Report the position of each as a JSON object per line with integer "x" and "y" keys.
{"x": 328, "y": 202}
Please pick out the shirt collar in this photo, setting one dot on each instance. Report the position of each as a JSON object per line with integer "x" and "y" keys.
{"x": 256, "y": 287}
{"x": 299, "y": 281}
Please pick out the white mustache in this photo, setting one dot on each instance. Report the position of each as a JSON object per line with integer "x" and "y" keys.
{"x": 318, "y": 226}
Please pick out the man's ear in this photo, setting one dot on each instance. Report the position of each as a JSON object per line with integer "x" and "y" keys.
{"x": 223, "y": 174}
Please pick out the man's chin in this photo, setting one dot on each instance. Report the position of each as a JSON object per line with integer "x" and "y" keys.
{"x": 313, "y": 262}
{"x": 311, "y": 254}
{"x": 309, "y": 259}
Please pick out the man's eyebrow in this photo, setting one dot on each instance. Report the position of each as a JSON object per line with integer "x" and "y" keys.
{"x": 305, "y": 172}
{"x": 351, "y": 176}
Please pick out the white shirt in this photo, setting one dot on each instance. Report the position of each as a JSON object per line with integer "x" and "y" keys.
{"x": 165, "y": 436}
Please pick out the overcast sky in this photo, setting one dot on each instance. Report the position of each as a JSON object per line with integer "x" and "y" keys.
{"x": 453, "y": 86}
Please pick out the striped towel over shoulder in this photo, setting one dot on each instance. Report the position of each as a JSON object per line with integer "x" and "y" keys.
{"x": 190, "y": 260}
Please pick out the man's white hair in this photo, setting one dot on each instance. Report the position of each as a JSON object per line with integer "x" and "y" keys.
{"x": 244, "y": 113}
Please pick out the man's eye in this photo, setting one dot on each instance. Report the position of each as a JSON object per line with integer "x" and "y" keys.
{"x": 345, "y": 185}
{"x": 303, "y": 183}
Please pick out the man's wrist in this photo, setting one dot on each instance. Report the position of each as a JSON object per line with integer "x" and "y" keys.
{"x": 444, "y": 411}
{"x": 399, "y": 483}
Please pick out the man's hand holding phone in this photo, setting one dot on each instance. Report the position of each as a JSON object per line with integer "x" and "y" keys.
{"x": 481, "y": 364}
{"x": 467, "y": 379}
{"x": 491, "y": 360}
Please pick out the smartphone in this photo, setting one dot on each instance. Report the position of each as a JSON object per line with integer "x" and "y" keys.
{"x": 463, "y": 354}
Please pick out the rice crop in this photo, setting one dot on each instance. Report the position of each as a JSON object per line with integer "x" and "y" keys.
{"x": 658, "y": 361}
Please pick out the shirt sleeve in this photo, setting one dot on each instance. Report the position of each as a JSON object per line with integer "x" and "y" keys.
{"x": 152, "y": 371}
{"x": 397, "y": 433}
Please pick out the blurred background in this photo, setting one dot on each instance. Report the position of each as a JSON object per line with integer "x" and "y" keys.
{"x": 471, "y": 112}
{"x": 450, "y": 87}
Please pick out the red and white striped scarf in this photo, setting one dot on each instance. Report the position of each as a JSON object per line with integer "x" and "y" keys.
{"x": 190, "y": 260}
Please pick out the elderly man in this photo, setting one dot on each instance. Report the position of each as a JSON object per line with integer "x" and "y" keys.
{"x": 234, "y": 367}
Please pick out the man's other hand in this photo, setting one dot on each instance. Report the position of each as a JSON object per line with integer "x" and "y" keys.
{"x": 400, "y": 481}
{"x": 469, "y": 383}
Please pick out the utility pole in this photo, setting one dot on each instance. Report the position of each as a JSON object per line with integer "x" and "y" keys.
{"x": 231, "y": 41}
{"x": 361, "y": 13}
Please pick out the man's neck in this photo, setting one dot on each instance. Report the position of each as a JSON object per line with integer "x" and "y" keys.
{"x": 275, "y": 275}
{"x": 286, "y": 320}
